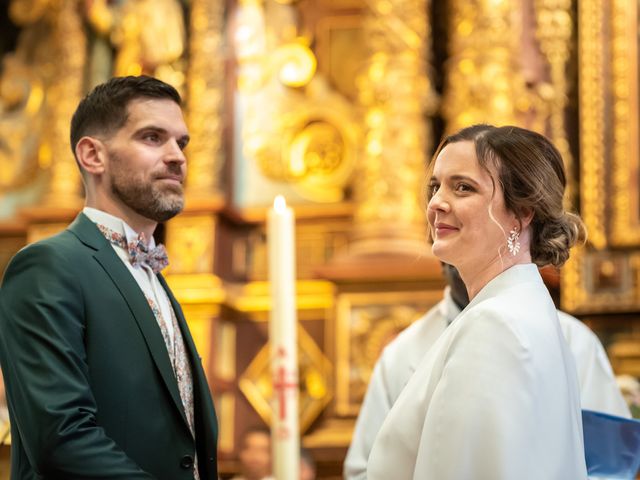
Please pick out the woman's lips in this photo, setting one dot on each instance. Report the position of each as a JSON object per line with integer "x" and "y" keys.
{"x": 444, "y": 229}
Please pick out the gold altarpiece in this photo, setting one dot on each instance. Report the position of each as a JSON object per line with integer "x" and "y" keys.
{"x": 337, "y": 104}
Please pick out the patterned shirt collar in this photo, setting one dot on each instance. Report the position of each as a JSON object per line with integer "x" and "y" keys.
{"x": 116, "y": 224}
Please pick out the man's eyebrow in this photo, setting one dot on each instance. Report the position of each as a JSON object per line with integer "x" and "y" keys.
{"x": 153, "y": 128}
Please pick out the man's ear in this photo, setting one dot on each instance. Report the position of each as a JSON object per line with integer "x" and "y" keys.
{"x": 91, "y": 155}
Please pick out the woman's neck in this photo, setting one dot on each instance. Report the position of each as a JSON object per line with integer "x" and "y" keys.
{"x": 475, "y": 277}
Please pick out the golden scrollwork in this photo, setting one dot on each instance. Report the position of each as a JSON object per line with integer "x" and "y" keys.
{"x": 308, "y": 139}
{"x": 295, "y": 127}
{"x": 205, "y": 87}
{"x": 554, "y": 32}
{"x": 592, "y": 115}
{"x": 396, "y": 94}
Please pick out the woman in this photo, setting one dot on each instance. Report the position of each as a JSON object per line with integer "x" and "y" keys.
{"x": 497, "y": 396}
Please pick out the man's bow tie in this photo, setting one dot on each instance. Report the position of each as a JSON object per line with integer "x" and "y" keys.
{"x": 155, "y": 258}
{"x": 139, "y": 253}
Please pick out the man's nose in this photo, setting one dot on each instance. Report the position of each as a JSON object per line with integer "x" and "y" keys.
{"x": 175, "y": 154}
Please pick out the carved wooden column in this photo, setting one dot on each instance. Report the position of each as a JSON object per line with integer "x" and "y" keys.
{"x": 68, "y": 42}
{"x": 191, "y": 237}
{"x": 483, "y": 79}
{"x": 554, "y": 30}
{"x": 396, "y": 94}
{"x": 205, "y": 82}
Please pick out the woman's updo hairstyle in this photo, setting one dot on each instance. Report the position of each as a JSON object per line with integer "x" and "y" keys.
{"x": 531, "y": 173}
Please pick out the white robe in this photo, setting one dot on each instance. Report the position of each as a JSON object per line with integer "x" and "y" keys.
{"x": 496, "y": 396}
{"x": 598, "y": 388}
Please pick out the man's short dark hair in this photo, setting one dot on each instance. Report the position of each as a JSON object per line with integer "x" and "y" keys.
{"x": 104, "y": 109}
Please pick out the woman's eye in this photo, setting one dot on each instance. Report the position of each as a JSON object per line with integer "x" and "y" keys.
{"x": 463, "y": 187}
{"x": 433, "y": 188}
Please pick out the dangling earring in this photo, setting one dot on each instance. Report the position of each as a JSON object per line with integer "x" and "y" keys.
{"x": 513, "y": 244}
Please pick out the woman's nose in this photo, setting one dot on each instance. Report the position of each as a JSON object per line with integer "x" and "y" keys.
{"x": 438, "y": 202}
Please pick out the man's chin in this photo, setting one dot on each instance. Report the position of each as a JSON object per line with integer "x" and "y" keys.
{"x": 168, "y": 208}
{"x": 169, "y": 213}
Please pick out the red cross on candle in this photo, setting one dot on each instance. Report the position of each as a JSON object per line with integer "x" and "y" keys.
{"x": 280, "y": 385}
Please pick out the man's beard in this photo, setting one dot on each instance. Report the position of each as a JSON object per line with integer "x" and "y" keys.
{"x": 147, "y": 198}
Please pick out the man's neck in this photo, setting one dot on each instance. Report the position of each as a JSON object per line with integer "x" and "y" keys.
{"x": 136, "y": 222}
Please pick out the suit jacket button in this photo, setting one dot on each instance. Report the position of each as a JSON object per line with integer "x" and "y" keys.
{"x": 186, "y": 462}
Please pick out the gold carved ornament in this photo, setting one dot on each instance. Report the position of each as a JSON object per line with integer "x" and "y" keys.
{"x": 21, "y": 123}
{"x": 592, "y": 114}
{"x": 484, "y": 82}
{"x": 294, "y": 126}
{"x": 48, "y": 62}
{"x": 625, "y": 32}
{"x": 365, "y": 324}
{"x": 554, "y": 32}
{"x": 396, "y": 95}
{"x": 205, "y": 95}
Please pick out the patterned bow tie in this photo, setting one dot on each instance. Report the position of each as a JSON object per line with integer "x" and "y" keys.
{"x": 139, "y": 253}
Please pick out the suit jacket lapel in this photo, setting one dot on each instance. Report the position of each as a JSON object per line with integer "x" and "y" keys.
{"x": 202, "y": 394}
{"x": 184, "y": 329}
{"x": 89, "y": 234}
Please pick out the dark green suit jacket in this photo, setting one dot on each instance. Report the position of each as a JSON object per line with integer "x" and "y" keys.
{"x": 90, "y": 388}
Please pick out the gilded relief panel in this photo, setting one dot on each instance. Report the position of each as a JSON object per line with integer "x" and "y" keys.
{"x": 365, "y": 324}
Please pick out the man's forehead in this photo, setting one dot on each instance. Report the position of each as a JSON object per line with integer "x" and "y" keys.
{"x": 160, "y": 113}
{"x": 145, "y": 106}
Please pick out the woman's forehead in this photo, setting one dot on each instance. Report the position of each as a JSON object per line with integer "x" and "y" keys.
{"x": 460, "y": 158}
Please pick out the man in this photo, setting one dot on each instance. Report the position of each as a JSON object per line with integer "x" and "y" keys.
{"x": 102, "y": 376}
{"x": 255, "y": 455}
{"x": 598, "y": 388}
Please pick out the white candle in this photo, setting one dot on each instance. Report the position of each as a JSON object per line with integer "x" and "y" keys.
{"x": 283, "y": 339}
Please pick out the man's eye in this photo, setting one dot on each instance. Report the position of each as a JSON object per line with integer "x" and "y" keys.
{"x": 152, "y": 137}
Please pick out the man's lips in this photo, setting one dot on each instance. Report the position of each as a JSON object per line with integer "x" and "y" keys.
{"x": 173, "y": 178}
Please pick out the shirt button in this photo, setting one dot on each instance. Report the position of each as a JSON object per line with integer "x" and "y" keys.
{"x": 186, "y": 462}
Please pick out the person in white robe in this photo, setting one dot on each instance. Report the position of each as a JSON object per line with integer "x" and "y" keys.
{"x": 598, "y": 388}
{"x": 497, "y": 396}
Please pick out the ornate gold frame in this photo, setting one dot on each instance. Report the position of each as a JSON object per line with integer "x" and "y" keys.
{"x": 414, "y": 303}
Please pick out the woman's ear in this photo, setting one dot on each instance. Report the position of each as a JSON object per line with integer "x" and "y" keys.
{"x": 90, "y": 153}
{"x": 526, "y": 216}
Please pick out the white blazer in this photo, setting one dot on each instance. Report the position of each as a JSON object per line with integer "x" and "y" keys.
{"x": 496, "y": 397}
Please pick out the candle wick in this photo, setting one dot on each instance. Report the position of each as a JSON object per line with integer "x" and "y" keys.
{"x": 280, "y": 204}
